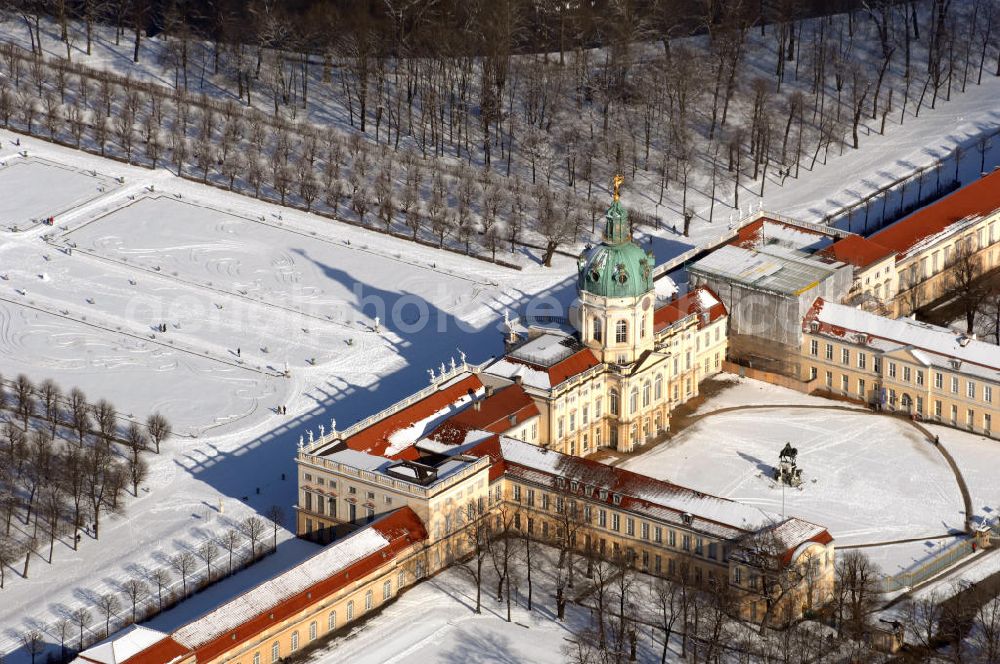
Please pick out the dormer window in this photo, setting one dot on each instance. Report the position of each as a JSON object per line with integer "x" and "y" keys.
{"x": 617, "y": 499}
{"x": 604, "y": 494}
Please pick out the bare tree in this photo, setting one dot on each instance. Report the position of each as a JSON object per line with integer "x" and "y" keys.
{"x": 763, "y": 552}
{"x": 50, "y": 396}
{"x": 33, "y": 643}
{"x": 81, "y": 618}
{"x": 106, "y": 419}
{"x": 856, "y": 590}
{"x": 964, "y": 281}
{"x": 209, "y": 552}
{"x": 158, "y": 428}
{"x": 136, "y": 590}
{"x": 161, "y": 578}
{"x": 110, "y": 605}
{"x": 79, "y": 413}
{"x": 24, "y": 393}
{"x": 184, "y": 564}
{"x": 230, "y": 541}
{"x": 276, "y": 515}
{"x": 252, "y": 528}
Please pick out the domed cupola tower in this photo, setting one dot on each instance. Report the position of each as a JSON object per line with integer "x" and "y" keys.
{"x": 615, "y": 287}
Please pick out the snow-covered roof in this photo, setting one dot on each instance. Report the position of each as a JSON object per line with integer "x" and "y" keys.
{"x": 545, "y": 350}
{"x": 840, "y": 320}
{"x": 121, "y": 646}
{"x": 766, "y": 269}
{"x": 529, "y": 375}
{"x": 260, "y": 599}
{"x": 662, "y": 500}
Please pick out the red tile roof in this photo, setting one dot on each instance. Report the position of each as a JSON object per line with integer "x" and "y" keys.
{"x": 164, "y": 650}
{"x": 686, "y": 305}
{"x": 401, "y": 527}
{"x": 858, "y": 251}
{"x": 493, "y": 415}
{"x": 375, "y": 439}
{"x": 568, "y": 367}
{"x": 979, "y": 198}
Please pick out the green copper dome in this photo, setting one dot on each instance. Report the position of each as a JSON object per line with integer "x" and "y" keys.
{"x": 617, "y": 267}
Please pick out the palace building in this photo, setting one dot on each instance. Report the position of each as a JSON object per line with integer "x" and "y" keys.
{"x": 903, "y": 365}
{"x": 503, "y": 445}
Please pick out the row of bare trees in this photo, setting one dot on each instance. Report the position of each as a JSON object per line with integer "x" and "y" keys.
{"x": 772, "y": 104}
{"x": 65, "y": 463}
{"x": 681, "y": 610}
{"x": 290, "y": 162}
{"x": 145, "y": 593}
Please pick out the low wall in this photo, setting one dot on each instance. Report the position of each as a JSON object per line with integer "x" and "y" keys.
{"x": 770, "y": 377}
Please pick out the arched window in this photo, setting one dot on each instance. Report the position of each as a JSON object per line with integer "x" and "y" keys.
{"x": 313, "y": 630}
{"x": 621, "y": 331}
{"x": 295, "y": 641}
{"x": 386, "y": 590}
{"x": 613, "y": 402}
{"x": 331, "y": 621}
{"x": 275, "y": 652}
{"x": 598, "y": 329}
{"x": 368, "y": 601}
{"x": 646, "y": 393}
{"x": 633, "y": 400}
{"x": 350, "y": 610}
{"x": 658, "y": 387}
{"x": 642, "y": 330}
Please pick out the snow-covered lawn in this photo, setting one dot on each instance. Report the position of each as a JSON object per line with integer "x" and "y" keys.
{"x": 867, "y": 478}
{"x": 739, "y": 391}
{"x": 33, "y": 189}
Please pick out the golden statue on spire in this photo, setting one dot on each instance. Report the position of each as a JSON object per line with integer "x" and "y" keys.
{"x": 617, "y": 182}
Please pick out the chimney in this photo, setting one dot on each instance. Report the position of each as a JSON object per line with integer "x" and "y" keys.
{"x": 477, "y": 404}
{"x": 518, "y": 379}
{"x": 489, "y": 390}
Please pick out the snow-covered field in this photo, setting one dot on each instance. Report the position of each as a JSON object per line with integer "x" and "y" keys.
{"x": 60, "y": 188}
{"x": 869, "y": 479}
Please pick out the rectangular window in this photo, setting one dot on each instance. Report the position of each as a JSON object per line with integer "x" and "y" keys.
{"x": 971, "y": 390}
{"x": 988, "y": 393}
{"x": 658, "y": 535}
{"x": 939, "y": 380}
{"x": 861, "y": 388}
{"x": 937, "y": 408}
{"x": 813, "y": 347}
{"x": 906, "y": 374}
{"x": 673, "y": 539}
{"x": 987, "y": 422}
{"x": 845, "y": 356}
{"x": 829, "y": 379}
{"x": 844, "y": 382}
{"x": 545, "y": 501}
{"x": 876, "y": 364}
{"x": 517, "y": 493}
{"x": 954, "y": 414}
{"x": 862, "y": 360}
{"x": 630, "y": 527}
{"x": 531, "y": 498}
{"x": 602, "y": 519}
{"x": 892, "y": 370}
{"x": 920, "y": 377}
{"x": 699, "y": 546}
{"x": 970, "y": 418}
{"x": 658, "y": 565}
{"x": 645, "y": 530}
{"x": 829, "y": 351}
{"x": 686, "y": 542}
{"x": 615, "y": 523}
{"x": 954, "y": 385}
{"x": 812, "y": 373}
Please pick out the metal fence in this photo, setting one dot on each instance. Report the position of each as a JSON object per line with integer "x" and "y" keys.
{"x": 928, "y": 567}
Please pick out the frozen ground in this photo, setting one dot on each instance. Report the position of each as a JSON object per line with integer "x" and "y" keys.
{"x": 867, "y": 478}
